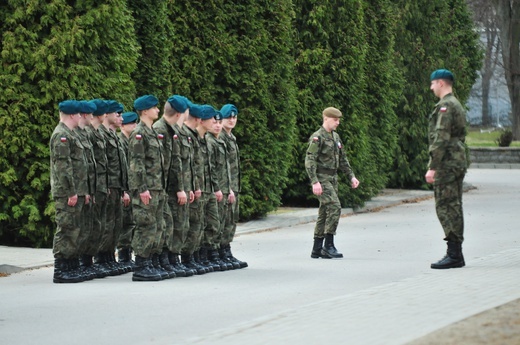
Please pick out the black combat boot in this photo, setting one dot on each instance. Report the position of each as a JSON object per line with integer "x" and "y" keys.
{"x": 175, "y": 261}
{"x": 203, "y": 258}
{"x": 242, "y": 264}
{"x": 222, "y": 253}
{"x": 125, "y": 259}
{"x": 85, "y": 261}
{"x": 84, "y": 272}
{"x": 157, "y": 265}
{"x": 144, "y": 270}
{"x": 329, "y": 251}
{"x": 63, "y": 273}
{"x": 165, "y": 263}
{"x": 101, "y": 260}
{"x": 188, "y": 261}
{"x": 214, "y": 259}
{"x": 199, "y": 261}
{"x": 316, "y": 248}
{"x": 453, "y": 257}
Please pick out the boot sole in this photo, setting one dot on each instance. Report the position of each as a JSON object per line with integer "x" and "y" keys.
{"x": 143, "y": 279}
{"x": 436, "y": 267}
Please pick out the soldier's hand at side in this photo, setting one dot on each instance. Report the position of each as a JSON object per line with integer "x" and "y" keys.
{"x": 316, "y": 188}
{"x": 181, "y": 197}
{"x": 219, "y": 195}
{"x": 87, "y": 199}
{"x": 430, "y": 176}
{"x": 126, "y": 199}
{"x": 145, "y": 197}
{"x": 354, "y": 182}
{"x": 198, "y": 193}
{"x": 192, "y": 197}
{"x": 231, "y": 197}
{"x": 72, "y": 200}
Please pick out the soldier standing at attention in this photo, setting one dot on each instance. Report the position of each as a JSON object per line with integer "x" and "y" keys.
{"x": 124, "y": 242}
{"x": 69, "y": 188}
{"x": 229, "y": 120}
{"x": 147, "y": 182}
{"x": 447, "y": 166}
{"x": 325, "y": 155}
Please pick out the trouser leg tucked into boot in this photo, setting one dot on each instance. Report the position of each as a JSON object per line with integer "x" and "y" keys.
{"x": 230, "y": 255}
{"x": 316, "y": 248}
{"x": 329, "y": 251}
{"x": 144, "y": 270}
{"x": 453, "y": 257}
{"x": 63, "y": 273}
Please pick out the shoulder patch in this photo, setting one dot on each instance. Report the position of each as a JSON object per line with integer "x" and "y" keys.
{"x": 443, "y": 109}
{"x": 160, "y": 136}
{"x": 175, "y": 136}
{"x": 189, "y": 139}
{"x": 138, "y": 136}
{"x": 339, "y": 145}
{"x": 63, "y": 139}
{"x": 315, "y": 139}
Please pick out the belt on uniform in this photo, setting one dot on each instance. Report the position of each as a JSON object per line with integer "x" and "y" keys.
{"x": 326, "y": 171}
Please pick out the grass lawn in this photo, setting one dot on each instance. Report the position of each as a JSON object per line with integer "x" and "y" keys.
{"x": 476, "y": 138}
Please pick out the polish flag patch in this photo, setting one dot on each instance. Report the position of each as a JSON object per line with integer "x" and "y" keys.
{"x": 63, "y": 139}
{"x": 339, "y": 145}
{"x": 175, "y": 137}
{"x": 138, "y": 136}
{"x": 160, "y": 136}
{"x": 443, "y": 109}
{"x": 315, "y": 139}
{"x": 189, "y": 139}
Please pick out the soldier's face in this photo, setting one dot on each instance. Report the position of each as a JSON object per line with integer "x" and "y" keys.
{"x": 331, "y": 123}
{"x": 208, "y": 124}
{"x": 230, "y": 122}
{"x": 435, "y": 86}
{"x": 152, "y": 113}
{"x": 217, "y": 126}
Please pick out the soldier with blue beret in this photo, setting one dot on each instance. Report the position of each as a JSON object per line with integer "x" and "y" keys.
{"x": 70, "y": 107}
{"x": 87, "y": 107}
{"x": 447, "y": 165}
{"x": 146, "y": 102}
{"x": 101, "y": 107}
{"x": 129, "y": 117}
{"x": 229, "y": 114}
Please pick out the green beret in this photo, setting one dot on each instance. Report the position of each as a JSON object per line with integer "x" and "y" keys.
{"x": 70, "y": 107}
{"x": 332, "y": 112}
{"x": 178, "y": 103}
{"x": 129, "y": 117}
{"x": 145, "y": 102}
{"x": 228, "y": 110}
{"x": 101, "y": 107}
{"x": 442, "y": 74}
{"x": 87, "y": 107}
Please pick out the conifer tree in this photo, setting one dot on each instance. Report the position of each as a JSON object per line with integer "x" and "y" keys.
{"x": 51, "y": 51}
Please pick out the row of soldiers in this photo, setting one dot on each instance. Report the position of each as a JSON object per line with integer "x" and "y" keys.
{"x": 165, "y": 190}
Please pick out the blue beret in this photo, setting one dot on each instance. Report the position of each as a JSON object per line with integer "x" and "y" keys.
{"x": 129, "y": 117}
{"x": 208, "y": 112}
{"x": 442, "y": 74}
{"x": 113, "y": 106}
{"x": 87, "y": 107}
{"x": 228, "y": 110}
{"x": 196, "y": 110}
{"x": 178, "y": 103}
{"x": 145, "y": 102}
{"x": 70, "y": 107}
{"x": 101, "y": 107}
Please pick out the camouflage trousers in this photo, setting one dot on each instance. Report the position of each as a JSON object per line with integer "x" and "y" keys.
{"x": 448, "y": 205}
{"x": 149, "y": 223}
{"x": 99, "y": 215}
{"x": 85, "y": 233}
{"x": 230, "y": 226}
{"x": 211, "y": 223}
{"x": 127, "y": 231}
{"x": 329, "y": 211}
{"x": 114, "y": 221}
{"x": 68, "y": 227}
{"x": 178, "y": 226}
{"x": 196, "y": 222}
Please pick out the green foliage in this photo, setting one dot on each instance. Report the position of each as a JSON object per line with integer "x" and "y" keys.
{"x": 432, "y": 34}
{"x": 51, "y": 51}
{"x": 505, "y": 138}
{"x": 240, "y": 53}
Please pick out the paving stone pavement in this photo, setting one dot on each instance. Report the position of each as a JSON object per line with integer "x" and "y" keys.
{"x": 490, "y": 281}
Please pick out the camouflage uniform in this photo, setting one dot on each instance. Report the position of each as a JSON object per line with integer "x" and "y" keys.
{"x": 125, "y": 237}
{"x": 447, "y": 133}
{"x": 99, "y": 208}
{"x": 115, "y": 167}
{"x": 69, "y": 177}
{"x": 233, "y": 156}
{"x": 87, "y": 214}
{"x": 196, "y": 219}
{"x": 173, "y": 212}
{"x": 220, "y": 180}
{"x": 147, "y": 172}
{"x": 325, "y": 156}
{"x": 187, "y": 177}
{"x": 211, "y": 218}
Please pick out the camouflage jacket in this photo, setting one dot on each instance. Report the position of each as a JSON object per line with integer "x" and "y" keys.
{"x": 98, "y": 142}
{"x": 123, "y": 141}
{"x": 172, "y": 155}
{"x": 83, "y": 136}
{"x": 115, "y": 159}
{"x": 68, "y": 166}
{"x": 325, "y": 156}
{"x": 145, "y": 158}
{"x": 219, "y": 166}
{"x": 446, "y": 135}
{"x": 233, "y": 155}
{"x": 206, "y": 186}
{"x": 187, "y": 158}
{"x": 197, "y": 158}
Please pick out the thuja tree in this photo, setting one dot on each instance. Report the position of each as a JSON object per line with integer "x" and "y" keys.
{"x": 432, "y": 34}
{"x": 331, "y": 52}
{"x": 240, "y": 53}
{"x": 51, "y": 51}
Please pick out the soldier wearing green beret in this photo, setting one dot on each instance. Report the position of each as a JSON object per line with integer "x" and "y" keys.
{"x": 447, "y": 165}
{"x": 147, "y": 183}
{"x": 70, "y": 192}
{"x": 325, "y": 155}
